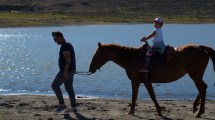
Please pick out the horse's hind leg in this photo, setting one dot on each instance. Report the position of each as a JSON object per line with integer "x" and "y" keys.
{"x": 196, "y": 103}
{"x": 153, "y": 97}
{"x": 201, "y": 86}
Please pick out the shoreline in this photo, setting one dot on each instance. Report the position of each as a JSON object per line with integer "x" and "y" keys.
{"x": 33, "y": 107}
{"x": 101, "y": 23}
{"x": 82, "y": 96}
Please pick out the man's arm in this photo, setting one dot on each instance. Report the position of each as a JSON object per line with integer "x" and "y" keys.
{"x": 67, "y": 63}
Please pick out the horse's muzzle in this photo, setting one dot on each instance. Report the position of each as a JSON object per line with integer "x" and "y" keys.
{"x": 92, "y": 70}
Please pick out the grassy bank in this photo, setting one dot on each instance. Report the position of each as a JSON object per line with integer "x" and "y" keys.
{"x": 15, "y": 13}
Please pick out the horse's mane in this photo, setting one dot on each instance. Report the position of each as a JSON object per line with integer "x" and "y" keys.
{"x": 123, "y": 50}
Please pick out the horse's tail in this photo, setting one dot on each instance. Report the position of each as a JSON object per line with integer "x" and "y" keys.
{"x": 211, "y": 53}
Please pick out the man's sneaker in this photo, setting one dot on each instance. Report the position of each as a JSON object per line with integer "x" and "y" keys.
{"x": 72, "y": 110}
{"x": 60, "y": 108}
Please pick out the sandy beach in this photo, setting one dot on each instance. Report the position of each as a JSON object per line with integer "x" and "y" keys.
{"x": 38, "y": 107}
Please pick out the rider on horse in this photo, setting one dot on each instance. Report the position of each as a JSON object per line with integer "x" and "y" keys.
{"x": 158, "y": 43}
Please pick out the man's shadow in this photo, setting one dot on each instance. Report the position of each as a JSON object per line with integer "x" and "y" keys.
{"x": 78, "y": 116}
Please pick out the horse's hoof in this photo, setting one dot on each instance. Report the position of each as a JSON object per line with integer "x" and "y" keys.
{"x": 160, "y": 114}
{"x": 129, "y": 113}
{"x": 198, "y": 116}
{"x": 159, "y": 111}
{"x": 194, "y": 110}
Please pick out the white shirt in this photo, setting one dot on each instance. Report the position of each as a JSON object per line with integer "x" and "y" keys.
{"x": 158, "y": 36}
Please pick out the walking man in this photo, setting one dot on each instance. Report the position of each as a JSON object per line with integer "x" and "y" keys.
{"x": 67, "y": 67}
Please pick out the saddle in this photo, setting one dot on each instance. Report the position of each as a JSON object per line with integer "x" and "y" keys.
{"x": 169, "y": 54}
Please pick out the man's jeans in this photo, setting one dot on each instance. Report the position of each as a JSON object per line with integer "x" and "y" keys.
{"x": 68, "y": 83}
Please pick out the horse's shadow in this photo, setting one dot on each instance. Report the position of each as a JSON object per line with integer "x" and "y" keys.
{"x": 163, "y": 117}
{"x": 166, "y": 118}
{"x": 78, "y": 116}
{"x": 67, "y": 117}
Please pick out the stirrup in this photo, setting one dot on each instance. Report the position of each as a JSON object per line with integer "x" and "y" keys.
{"x": 144, "y": 70}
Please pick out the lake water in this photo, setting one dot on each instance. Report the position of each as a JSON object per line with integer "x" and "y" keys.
{"x": 28, "y": 59}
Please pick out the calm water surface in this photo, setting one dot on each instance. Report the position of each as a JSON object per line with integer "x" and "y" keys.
{"x": 28, "y": 59}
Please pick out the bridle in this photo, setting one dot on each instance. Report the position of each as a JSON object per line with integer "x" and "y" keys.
{"x": 89, "y": 73}
{"x": 98, "y": 54}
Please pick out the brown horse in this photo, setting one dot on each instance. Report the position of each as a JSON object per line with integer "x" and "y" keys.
{"x": 191, "y": 59}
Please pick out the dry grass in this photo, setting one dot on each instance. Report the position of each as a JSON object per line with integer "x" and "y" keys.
{"x": 54, "y": 12}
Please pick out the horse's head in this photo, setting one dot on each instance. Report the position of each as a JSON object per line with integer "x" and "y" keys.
{"x": 99, "y": 58}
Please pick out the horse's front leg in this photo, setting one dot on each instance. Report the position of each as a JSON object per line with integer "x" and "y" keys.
{"x": 153, "y": 97}
{"x": 135, "y": 88}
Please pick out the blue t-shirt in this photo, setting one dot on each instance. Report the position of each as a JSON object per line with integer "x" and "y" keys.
{"x": 66, "y": 47}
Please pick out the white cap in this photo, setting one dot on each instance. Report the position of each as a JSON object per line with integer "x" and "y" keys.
{"x": 159, "y": 20}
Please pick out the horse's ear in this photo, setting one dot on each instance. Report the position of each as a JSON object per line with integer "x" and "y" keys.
{"x": 99, "y": 44}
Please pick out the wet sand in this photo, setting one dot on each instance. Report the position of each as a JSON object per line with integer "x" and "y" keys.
{"x": 38, "y": 107}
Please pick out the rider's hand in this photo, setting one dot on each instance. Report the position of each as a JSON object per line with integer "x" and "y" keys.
{"x": 143, "y": 39}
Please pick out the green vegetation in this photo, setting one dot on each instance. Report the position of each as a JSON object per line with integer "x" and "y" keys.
{"x": 65, "y": 12}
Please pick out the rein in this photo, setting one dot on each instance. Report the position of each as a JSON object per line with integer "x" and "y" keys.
{"x": 83, "y": 73}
